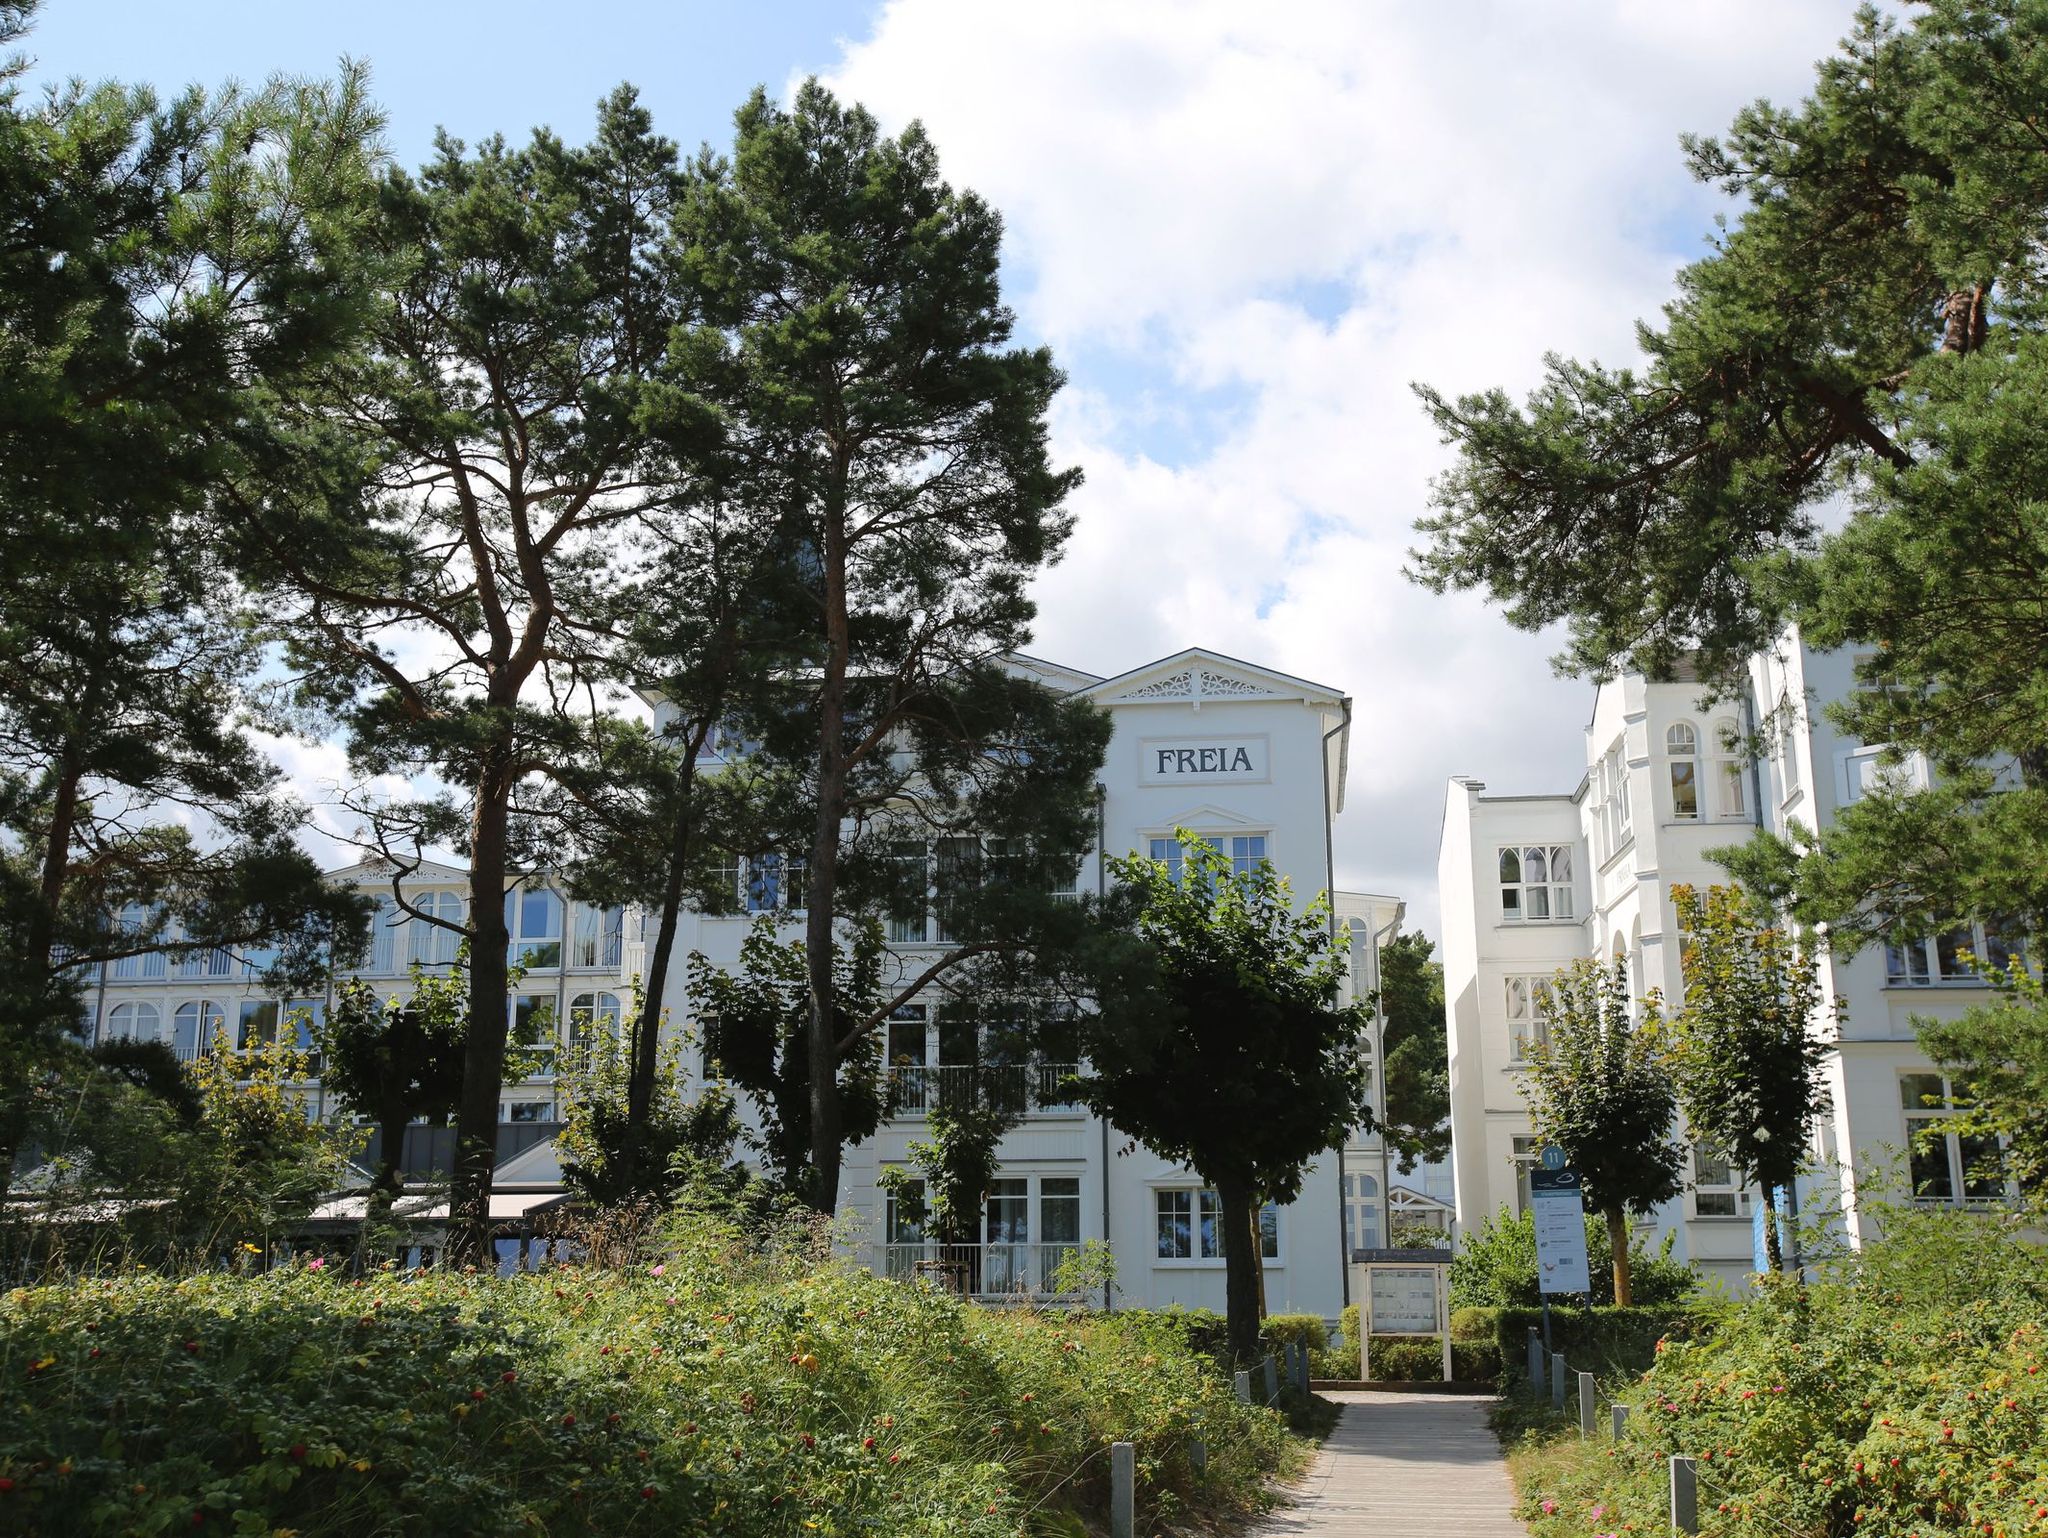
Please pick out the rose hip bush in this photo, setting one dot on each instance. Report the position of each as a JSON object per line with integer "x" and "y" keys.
{"x": 1904, "y": 1392}
{"x": 730, "y": 1393}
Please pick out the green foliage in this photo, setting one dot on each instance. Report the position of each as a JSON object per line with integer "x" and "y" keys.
{"x": 1599, "y": 1089}
{"x": 1871, "y": 328}
{"x": 757, "y": 1031}
{"x": 850, "y": 301}
{"x": 1417, "y": 1048}
{"x": 1904, "y": 1389}
{"x": 1602, "y": 1340}
{"x": 612, "y": 1157}
{"x": 1746, "y": 1051}
{"x": 1495, "y": 1266}
{"x": 1298, "y": 1329}
{"x": 1997, "y": 1057}
{"x": 731, "y": 1388}
{"x": 396, "y": 1060}
{"x": 1227, "y": 1047}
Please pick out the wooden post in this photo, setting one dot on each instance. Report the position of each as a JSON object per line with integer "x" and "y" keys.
{"x": 1244, "y": 1388}
{"x": 1272, "y": 1378}
{"x": 1123, "y": 1489}
{"x": 1198, "y": 1455}
{"x": 1535, "y": 1360}
{"x": 1620, "y": 1421}
{"x": 1586, "y": 1405}
{"x": 1685, "y": 1495}
{"x": 1557, "y": 1380}
{"x": 1443, "y": 1314}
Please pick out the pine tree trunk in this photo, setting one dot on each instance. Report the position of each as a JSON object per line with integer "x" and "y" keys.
{"x": 384, "y": 1190}
{"x": 1258, "y": 1254}
{"x": 1240, "y": 1271}
{"x": 483, "y": 1051}
{"x": 1617, "y": 1244}
{"x": 823, "y": 1046}
{"x": 646, "y": 1048}
{"x": 1773, "y": 1257}
{"x": 42, "y": 924}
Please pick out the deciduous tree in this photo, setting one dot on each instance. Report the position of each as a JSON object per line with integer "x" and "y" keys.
{"x": 1225, "y": 1042}
{"x": 1599, "y": 1089}
{"x": 1747, "y": 1047}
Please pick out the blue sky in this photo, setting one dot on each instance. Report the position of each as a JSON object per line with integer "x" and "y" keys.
{"x": 1245, "y": 231}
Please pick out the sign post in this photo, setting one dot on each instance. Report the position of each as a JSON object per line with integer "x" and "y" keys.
{"x": 1558, "y": 1208}
{"x": 1402, "y": 1293}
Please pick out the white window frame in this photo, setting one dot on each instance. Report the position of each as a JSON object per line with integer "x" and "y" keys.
{"x": 1731, "y": 775}
{"x": 133, "y": 1020}
{"x": 1525, "y": 997}
{"x": 1934, "y": 962}
{"x": 1687, "y": 756}
{"x": 209, "y": 1018}
{"x": 598, "y": 938}
{"x": 1918, "y": 1116}
{"x": 1205, "y": 1244}
{"x": 1558, "y": 903}
{"x": 529, "y": 948}
{"x": 1729, "y": 1189}
{"x": 1860, "y": 771}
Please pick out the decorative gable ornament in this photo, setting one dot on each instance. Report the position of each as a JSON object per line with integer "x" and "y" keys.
{"x": 1198, "y": 684}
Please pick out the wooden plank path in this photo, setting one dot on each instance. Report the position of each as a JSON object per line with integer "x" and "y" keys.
{"x": 1404, "y": 1466}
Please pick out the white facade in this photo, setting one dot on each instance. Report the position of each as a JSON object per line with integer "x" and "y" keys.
{"x": 1531, "y": 883}
{"x": 1252, "y": 759}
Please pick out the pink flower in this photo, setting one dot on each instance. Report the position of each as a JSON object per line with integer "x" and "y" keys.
{"x": 1599, "y": 1512}
{"x": 1549, "y": 1508}
{"x": 317, "y": 1263}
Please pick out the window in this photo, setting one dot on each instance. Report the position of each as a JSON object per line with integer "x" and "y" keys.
{"x": 533, "y": 924}
{"x": 907, "y": 921}
{"x": 1717, "y": 1190}
{"x": 302, "y": 1021}
{"x": 600, "y": 937}
{"x": 1189, "y": 1225}
{"x": 387, "y": 949}
{"x": 769, "y": 884}
{"x": 1616, "y": 814}
{"x": 957, "y": 868}
{"x": 593, "y": 1022}
{"x": 194, "y": 1027}
{"x": 1731, "y": 773}
{"x": 436, "y": 946}
{"x": 256, "y": 1024}
{"x": 196, "y": 966}
{"x": 1682, "y": 748}
{"x": 909, "y": 1044}
{"x": 1788, "y": 750}
{"x": 1361, "y": 1213}
{"x": 1536, "y": 882}
{"x": 1864, "y": 772}
{"x": 133, "y": 1022}
{"x": 530, "y": 1110}
{"x": 1528, "y": 1001}
{"x": 1522, "y": 1154}
{"x": 1945, "y": 1163}
{"x": 1244, "y": 851}
{"x": 724, "y": 886}
{"x": 533, "y": 1023}
{"x": 1059, "y": 1212}
{"x": 1959, "y": 955}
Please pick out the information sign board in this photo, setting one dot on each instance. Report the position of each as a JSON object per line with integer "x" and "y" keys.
{"x": 1403, "y": 1300}
{"x": 1559, "y": 1209}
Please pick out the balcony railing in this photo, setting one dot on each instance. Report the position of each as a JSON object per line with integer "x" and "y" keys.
{"x": 916, "y": 1089}
{"x": 978, "y": 1270}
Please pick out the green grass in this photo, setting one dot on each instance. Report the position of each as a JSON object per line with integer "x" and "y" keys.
{"x": 728, "y": 1391}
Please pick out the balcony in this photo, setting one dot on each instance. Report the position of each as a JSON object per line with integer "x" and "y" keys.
{"x": 989, "y": 1271}
{"x": 1023, "y": 1088}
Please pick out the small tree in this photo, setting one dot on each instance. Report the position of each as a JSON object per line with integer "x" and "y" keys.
{"x": 1599, "y": 1090}
{"x": 617, "y": 1154}
{"x": 396, "y": 1062}
{"x": 1745, "y": 1054}
{"x": 1225, "y": 1044}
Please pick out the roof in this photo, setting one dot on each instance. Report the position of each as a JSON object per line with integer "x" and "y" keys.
{"x": 1232, "y": 672}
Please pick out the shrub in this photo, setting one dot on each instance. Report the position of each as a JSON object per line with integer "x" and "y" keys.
{"x": 1606, "y": 1341}
{"x": 1495, "y": 1266}
{"x": 1308, "y": 1330}
{"x": 730, "y": 1389}
{"x": 1904, "y": 1390}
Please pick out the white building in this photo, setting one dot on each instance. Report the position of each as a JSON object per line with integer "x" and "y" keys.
{"x": 1531, "y": 883}
{"x": 1252, "y": 759}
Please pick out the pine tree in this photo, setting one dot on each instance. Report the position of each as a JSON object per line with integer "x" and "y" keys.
{"x": 881, "y": 414}
{"x": 1417, "y": 1050}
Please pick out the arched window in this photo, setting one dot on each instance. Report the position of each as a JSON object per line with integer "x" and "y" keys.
{"x": 133, "y": 1022}
{"x": 1731, "y": 772}
{"x": 1682, "y": 747}
{"x": 194, "y": 1026}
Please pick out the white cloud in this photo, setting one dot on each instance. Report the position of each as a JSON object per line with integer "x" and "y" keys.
{"x": 1283, "y": 215}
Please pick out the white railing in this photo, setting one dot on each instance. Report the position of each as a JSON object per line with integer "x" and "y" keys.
{"x": 978, "y": 1270}
{"x": 915, "y": 1089}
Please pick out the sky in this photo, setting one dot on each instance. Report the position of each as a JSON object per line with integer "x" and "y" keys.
{"x": 1245, "y": 231}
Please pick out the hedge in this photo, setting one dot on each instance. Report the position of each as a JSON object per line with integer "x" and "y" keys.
{"x": 1604, "y": 1341}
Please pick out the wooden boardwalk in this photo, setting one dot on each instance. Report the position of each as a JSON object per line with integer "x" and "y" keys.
{"x": 1404, "y": 1466}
